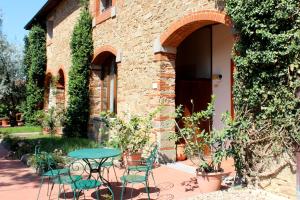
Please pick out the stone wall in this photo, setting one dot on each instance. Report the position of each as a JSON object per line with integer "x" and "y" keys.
{"x": 143, "y": 82}
{"x": 64, "y": 17}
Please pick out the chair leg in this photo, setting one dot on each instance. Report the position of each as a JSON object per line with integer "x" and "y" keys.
{"x": 115, "y": 173}
{"x": 59, "y": 192}
{"x": 153, "y": 179}
{"x": 41, "y": 184}
{"x": 48, "y": 186}
{"x": 64, "y": 191}
{"x": 74, "y": 194}
{"x": 147, "y": 190}
{"x": 131, "y": 191}
{"x": 97, "y": 193}
{"x": 107, "y": 169}
{"x": 51, "y": 190}
{"x": 123, "y": 188}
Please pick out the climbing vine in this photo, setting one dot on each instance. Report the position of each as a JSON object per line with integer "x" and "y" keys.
{"x": 266, "y": 131}
{"x": 81, "y": 49}
{"x": 35, "y": 64}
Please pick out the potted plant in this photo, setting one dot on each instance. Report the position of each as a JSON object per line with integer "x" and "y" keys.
{"x": 5, "y": 121}
{"x": 177, "y": 137}
{"x": 53, "y": 120}
{"x": 131, "y": 134}
{"x": 209, "y": 172}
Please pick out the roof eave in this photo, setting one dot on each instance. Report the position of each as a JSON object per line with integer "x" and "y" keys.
{"x": 40, "y": 16}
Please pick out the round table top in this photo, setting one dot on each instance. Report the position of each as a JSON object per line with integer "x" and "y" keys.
{"x": 95, "y": 153}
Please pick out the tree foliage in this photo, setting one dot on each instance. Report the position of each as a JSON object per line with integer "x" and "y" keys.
{"x": 77, "y": 114}
{"x": 266, "y": 129}
{"x": 36, "y": 59}
{"x": 11, "y": 78}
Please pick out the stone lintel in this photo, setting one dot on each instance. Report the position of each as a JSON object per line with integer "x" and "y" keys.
{"x": 158, "y": 48}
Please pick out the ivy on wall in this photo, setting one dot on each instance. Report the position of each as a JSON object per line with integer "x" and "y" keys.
{"x": 267, "y": 126}
{"x": 77, "y": 114}
{"x": 35, "y": 64}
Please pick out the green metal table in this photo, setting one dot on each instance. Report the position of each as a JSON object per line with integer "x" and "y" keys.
{"x": 100, "y": 154}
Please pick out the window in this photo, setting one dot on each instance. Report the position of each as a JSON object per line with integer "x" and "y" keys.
{"x": 109, "y": 84}
{"x": 105, "y": 4}
{"x": 104, "y": 10}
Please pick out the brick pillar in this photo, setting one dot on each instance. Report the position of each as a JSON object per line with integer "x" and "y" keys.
{"x": 164, "y": 123}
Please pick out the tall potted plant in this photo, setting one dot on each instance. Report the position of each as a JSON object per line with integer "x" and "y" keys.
{"x": 209, "y": 172}
{"x": 131, "y": 134}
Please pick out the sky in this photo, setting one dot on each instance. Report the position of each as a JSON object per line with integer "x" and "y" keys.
{"x": 16, "y": 14}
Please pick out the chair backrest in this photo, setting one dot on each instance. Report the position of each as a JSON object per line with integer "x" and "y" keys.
{"x": 152, "y": 157}
{"x": 44, "y": 160}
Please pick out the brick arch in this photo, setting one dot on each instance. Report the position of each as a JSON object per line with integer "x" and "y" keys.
{"x": 182, "y": 28}
{"x": 60, "y": 89}
{"x": 61, "y": 78}
{"x": 102, "y": 52}
{"x": 48, "y": 79}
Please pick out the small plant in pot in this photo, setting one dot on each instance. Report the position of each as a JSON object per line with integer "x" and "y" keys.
{"x": 209, "y": 172}
{"x": 52, "y": 120}
{"x": 177, "y": 137}
{"x": 131, "y": 135}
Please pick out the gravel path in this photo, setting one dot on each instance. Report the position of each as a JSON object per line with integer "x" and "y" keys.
{"x": 243, "y": 194}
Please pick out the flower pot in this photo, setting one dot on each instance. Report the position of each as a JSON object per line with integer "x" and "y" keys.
{"x": 209, "y": 182}
{"x": 133, "y": 159}
{"x": 180, "y": 154}
{"x": 5, "y": 122}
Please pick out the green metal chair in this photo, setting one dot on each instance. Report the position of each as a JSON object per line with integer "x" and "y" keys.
{"x": 78, "y": 170}
{"x": 142, "y": 176}
{"x": 48, "y": 168}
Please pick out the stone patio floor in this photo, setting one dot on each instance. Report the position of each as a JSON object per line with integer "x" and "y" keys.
{"x": 18, "y": 182}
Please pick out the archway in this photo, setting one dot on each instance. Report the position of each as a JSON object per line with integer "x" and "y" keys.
{"x": 203, "y": 66}
{"x": 103, "y": 82}
{"x": 194, "y": 55}
{"x": 48, "y": 91}
{"x": 60, "y": 90}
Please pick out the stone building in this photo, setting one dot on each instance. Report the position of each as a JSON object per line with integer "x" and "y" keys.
{"x": 146, "y": 54}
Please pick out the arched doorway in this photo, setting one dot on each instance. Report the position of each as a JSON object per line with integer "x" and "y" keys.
{"x": 103, "y": 82}
{"x": 60, "y": 90}
{"x": 192, "y": 53}
{"x": 203, "y": 43}
{"x": 203, "y": 68}
{"x": 49, "y": 100}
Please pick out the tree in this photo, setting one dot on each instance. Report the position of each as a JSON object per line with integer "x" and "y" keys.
{"x": 12, "y": 81}
{"x": 77, "y": 114}
{"x": 36, "y": 59}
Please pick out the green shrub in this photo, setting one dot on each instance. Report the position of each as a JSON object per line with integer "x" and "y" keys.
{"x": 266, "y": 127}
{"x": 77, "y": 113}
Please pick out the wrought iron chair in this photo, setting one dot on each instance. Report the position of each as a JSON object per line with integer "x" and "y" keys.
{"x": 47, "y": 166}
{"x": 141, "y": 167}
{"x": 143, "y": 173}
{"x": 77, "y": 179}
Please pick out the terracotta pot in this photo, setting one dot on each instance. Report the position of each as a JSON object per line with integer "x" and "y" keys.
{"x": 133, "y": 159}
{"x": 46, "y": 130}
{"x": 180, "y": 155}
{"x": 209, "y": 182}
{"x": 5, "y": 122}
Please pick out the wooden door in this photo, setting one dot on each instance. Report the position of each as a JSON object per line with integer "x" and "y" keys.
{"x": 199, "y": 91}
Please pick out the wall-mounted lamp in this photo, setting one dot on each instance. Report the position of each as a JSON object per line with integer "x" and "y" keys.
{"x": 216, "y": 76}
